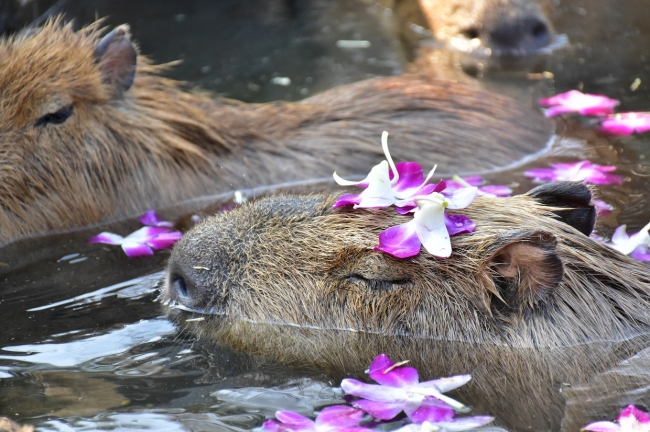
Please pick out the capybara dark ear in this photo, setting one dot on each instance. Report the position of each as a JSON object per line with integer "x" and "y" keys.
{"x": 575, "y": 197}
{"x": 117, "y": 58}
{"x": 526, "y": 267}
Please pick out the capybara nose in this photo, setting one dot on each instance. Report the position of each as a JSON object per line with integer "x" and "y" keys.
{"x": 181, "y": 289}
{"x": 520, "y": 35}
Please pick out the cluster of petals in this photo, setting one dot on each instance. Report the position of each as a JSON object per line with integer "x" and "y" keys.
{"x": 156, "y": 235}
{"x": 584, "y": 171}
{"x": 631, "y": 419}
{"x": 399, "y": 390}
{"x": 404, "y": 186}
{"x": 575, "y": 101}
{"x": 334, "y": 418}
{"x": 625, "y": 123}
{"x": 636, "y": 245}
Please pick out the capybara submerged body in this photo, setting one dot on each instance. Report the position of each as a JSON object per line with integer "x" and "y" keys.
{"x": 91, "y": 131}
{"x": 527, "y": 303}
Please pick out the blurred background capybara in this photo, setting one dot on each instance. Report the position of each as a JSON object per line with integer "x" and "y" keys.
{"x": 90, "y": 131}
{"x": 528, "y": 277}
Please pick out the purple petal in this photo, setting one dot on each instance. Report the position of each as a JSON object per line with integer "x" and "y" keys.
{"x": 641, "y": 253}
{"x": 379, "y": 364}
{"x": 557, "y": 110}
{"x": 339, "y": 416}
{"x": 373, "y": 392}
{"x": 620, "y": 235}
{"x": 575, "y": 101}
{"x": 273, "y": 426}
{"x": 464, "y": 423}
{"x": 380, "y": 410}
{"x": 165, "y": 240}
{"x": 134, "y": 249}
{"x": 405, "y": 209}
{"x": 145, "y": 233}
{"x": 541, "y": 174}
{"x": 458, "y": 224}
{"x": 401, "y": 376}
{"x": 602, "y": 208}
{"x": 107, "y": 238}
{"x": 400, "y": 241}
{"x": 151, "y": 218}
{"x": 496, "y": 190}
{"x": 602, "y": 426}
{"x": 410, "y": 176}
{"x": 293, "y": 419}
{"x": 605, "y": 179}
{"x": 432, "y": 410}
{"x": 346, "y": 200}
{"x": 626, "y": 123}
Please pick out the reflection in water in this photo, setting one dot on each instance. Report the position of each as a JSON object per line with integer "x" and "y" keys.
{"x": 73, "y": 328}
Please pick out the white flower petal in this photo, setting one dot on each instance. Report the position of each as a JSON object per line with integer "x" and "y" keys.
{"x": 461, "y": 198}
{"x": 430, "y": 228}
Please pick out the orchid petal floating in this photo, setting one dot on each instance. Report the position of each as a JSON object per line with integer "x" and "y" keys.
{"x": 575, "y": 101}
{"x": 151, "y": 218}
{"x": 335, "y": 418}
{"x": 631, "y": 419}
{"x": 577, "y": 171}
{"x": 142, "y": 242}
{"x": 626, "y": 123}
{"x": 636, "y": 245}
{"x": 399, "y": 390}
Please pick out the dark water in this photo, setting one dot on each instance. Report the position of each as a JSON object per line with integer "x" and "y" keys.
{"x": 84, "y": 343}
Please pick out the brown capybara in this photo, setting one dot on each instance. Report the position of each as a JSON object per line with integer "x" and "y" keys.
{"x": 90, "y": 131}
{"x": 498, "y": 27}
{"x": 527, "y": 303}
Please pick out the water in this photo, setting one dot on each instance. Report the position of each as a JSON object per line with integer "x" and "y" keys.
{"x": 85, "y": 345}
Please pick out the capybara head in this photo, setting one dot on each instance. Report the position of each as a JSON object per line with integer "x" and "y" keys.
{"x": 505, "y": 27}
{"x": 529, "y": 275}
{"x": 527, "y": 303}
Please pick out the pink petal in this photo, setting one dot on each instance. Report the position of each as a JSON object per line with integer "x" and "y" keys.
{"x": 380, "y": 410}
{"x": 135, "y": 249}
{"x": 346, "y": 200}
{"x": 339, "y": 416}
{"x": 626, "y": 123}
{"x": 575, "y": 101}
{"x": 604, "y": 179}
{"x": 145, "y": 233}
{"x": 165, "y": 240}
{"x": 373, "y": 392}
{"x": 542, "y": 174}
{"x": 107, "y": 238}
{"x": 410, "y": 176}
{"x": 293, "y": 419}
{"x": 151, "y": 218}
{"x": 458, "y": 224}
{"x": 400, "y": 241}
{"x": 633, "y": 414}
{"x": 432, "y": 410}
{"x": 602, "y": 208}
{"x": 464, "y": 423}
{"x": 602, "y": 426}
{"x": 557, "y": 110}
{"x": 272, "y": 426}
{"x": 496, "y": 190}
{"x": 402, "y": 376}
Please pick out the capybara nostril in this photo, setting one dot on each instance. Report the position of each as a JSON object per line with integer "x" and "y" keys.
{"x": 521, "y": 35}
{"x": 177, "y": 285}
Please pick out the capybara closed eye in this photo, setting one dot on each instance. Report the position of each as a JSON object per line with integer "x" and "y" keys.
{"x": 89, "y": 131}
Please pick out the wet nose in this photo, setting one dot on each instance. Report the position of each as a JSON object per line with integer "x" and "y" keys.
{"x": 182, "y": 288}
{"x": 523, "y": 35}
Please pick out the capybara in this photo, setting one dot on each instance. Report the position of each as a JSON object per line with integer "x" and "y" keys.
{"x": 498, "y": 27}
{"x": 90, "y": 131}
{"x": 527, "y": 303}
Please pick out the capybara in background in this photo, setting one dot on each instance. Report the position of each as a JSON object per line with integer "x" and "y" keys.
{"x": 504, "y": 27}
{"x": 527, "y": 303}
{"x": 90, "y": 131}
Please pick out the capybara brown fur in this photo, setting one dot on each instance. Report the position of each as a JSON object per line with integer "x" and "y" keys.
{"x": 527, "y": 303}
{"x": 504, "y": 27}
{"x": 90, "y": 131}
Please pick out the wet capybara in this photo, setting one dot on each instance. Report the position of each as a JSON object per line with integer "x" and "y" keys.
{"x": 527, "y": 303}
{"x": 498, "y": 27}
{"x": 90, "y": 131}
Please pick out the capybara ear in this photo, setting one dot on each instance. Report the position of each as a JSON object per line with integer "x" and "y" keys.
{"x": 526, "y": 267}
{"x": 117, "y": 58}
{"x": 575, "y": 197}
